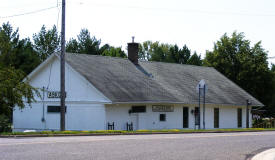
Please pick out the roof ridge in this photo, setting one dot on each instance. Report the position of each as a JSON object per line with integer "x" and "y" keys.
{"x": 94, "y": 55}
{"x": 190, "y": 65}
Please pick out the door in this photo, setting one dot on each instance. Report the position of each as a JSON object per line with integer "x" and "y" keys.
{"x": 134, "y": 120}
{"x": 216, "y": 117}
{"x": 185, "y": 117}
{"x": 239, "y": 118}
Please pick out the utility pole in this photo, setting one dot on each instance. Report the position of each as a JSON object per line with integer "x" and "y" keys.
{"x": 62, "y": 70}
{"x": 204, "y": 106}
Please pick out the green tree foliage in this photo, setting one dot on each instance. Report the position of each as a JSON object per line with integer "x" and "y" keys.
{"x": 46, "y": 42}
{"x": 5, "y": 124}
{"x": 272, "y": 103}
{"x": 155, "y": 51}
{"x": 15, "y": 52}
{"x": 273, "y": 68}
{"x": 114, "y": 52}
{"x": 14, "y": 92}
{"x": 84, "y": 44}
{"x": 243, "y": 64}
{"x": 195, "y": 60}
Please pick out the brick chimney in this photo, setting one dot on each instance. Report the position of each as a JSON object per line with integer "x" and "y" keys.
{"x": 133, "y": 51}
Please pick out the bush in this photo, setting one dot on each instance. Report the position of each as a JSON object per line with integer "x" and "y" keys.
{"x": 5, "y": 125}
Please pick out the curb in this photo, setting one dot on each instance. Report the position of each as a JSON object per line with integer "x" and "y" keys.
{"x": 268, "y": 154}
{"x": 113, "y": 134}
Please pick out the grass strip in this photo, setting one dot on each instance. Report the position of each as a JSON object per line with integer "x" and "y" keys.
{"x": 110, "y": 132}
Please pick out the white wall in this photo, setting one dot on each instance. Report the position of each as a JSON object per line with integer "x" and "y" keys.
{"x": 78, "y": 117}
{"x": 77, "y": 88}
{"x": 85, "y": 104}
{"x": 150, "y": 120}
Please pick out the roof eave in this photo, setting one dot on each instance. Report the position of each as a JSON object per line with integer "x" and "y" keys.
{"x": 170, "y": 102}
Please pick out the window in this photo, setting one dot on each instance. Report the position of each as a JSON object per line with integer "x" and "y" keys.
{"x": 216, "y": 117}
{"x": 162, "y": 117}
{"x": 239, "y": 118}
{"x": 138, "y": 109}
{"x": 55, "y": 109}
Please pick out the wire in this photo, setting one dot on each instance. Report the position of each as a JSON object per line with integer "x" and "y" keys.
{"x": 27, "y": 13}
{"x": 179, "y": 10}
{"x": 58, "y": 8}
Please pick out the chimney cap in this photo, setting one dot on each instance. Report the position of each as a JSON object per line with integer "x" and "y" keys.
{"x": 133, "y": 39}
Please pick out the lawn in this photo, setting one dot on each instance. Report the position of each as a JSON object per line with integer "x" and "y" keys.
{"x": 123, "y": 132}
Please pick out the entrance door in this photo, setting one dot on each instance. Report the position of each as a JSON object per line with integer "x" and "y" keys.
{"x": 239, "y": 118}
{"x": 134, "y": 119}
{"x": 185, "y": 117}
{"x": 216, "y": 117}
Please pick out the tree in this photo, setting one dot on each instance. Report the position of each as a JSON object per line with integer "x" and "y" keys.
{"x": 272, "y": 103}
{"x": 46, "y": 42}
{"x": 245, "y": 65}
{"x": 155, "y": 51}
{"x": 195, "y": 60}
{"x": 114, "y": 52}
{"x": 14, "y": 92}
{"x": 184, "y": 55}
{"x": 15, "y": 52}
{"x": 84, "y": 44}
{"x": 273, "y": 68}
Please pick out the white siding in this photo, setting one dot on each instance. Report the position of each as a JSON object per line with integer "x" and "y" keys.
{"x": 150, "y": 120}
{"x": 78, "y": 117}
{"x": 77, "y": 88}
{"x": 85, "y": 104}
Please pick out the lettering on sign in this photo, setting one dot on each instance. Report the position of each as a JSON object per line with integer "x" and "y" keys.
{"x": 55, "y": 94}
{"x": 162, "y": 108}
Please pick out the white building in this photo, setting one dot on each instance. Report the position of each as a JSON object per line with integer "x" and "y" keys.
{"x": 150, "y": 95}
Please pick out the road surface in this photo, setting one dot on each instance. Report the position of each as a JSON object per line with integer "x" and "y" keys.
{"x": 205, "y": 146}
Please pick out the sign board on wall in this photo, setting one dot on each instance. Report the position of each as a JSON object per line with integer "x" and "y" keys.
{"x": 163, "y": 108}
{"x": 55, "y": 94}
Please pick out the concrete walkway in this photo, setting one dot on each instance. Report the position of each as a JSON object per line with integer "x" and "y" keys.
{"x": 265, "y": 155}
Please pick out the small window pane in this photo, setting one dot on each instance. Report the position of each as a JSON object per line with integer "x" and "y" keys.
{"x": 55, "y": 109}
{"x": 138, "y": 109}
{"x": 162, "y": 117}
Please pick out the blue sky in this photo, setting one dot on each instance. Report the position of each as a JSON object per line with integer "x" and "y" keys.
{"x": 197, "y": 23}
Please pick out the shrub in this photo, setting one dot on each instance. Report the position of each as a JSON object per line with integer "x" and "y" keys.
{"x": 5, "y": 125}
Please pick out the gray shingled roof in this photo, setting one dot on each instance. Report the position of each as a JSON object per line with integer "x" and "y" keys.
{"x": 156, "y": 82}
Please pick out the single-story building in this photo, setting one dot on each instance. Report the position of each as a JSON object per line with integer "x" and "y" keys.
{"x": 119, "y": 93}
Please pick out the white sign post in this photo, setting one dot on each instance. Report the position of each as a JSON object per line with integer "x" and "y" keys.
{"x": 202, "y": 85}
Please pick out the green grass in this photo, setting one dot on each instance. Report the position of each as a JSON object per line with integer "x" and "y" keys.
{"x": 110, "y": 132}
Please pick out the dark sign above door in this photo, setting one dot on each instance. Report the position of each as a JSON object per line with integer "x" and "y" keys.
{"x": 163, "y": 108}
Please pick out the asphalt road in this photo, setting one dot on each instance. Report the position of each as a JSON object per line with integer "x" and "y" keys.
{"x": 206, "y": 146}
